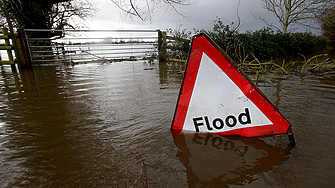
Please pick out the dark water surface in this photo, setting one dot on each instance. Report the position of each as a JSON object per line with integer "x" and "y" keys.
{"x": 94, "y": 125}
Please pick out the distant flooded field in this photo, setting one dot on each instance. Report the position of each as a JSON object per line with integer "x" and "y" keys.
{"x": 108, "y": 125}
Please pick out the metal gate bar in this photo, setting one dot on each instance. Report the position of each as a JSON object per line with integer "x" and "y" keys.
{"x": 82, "y": 45}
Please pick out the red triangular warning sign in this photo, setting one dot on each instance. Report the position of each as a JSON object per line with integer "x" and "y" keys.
{"x": 217, "y": 97}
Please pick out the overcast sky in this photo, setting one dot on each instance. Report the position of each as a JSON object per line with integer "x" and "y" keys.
{"x": 200, "y": 15}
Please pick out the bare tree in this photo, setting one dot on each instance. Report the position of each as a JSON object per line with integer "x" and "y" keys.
{"x": 49, "y": 14}
{"x": 46, "y": 14}
{"x": 293, "y": 12}
{"x": 328, "y": 25}
{"x": 66, "y": 14}
{"x": 144, "y": 9}
{"x": 28, "y": 13}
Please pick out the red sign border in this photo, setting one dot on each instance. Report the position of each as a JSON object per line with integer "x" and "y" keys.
{"x": 203, "y": 44}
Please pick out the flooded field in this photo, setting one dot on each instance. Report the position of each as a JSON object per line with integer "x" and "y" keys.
{"x": 108, "y": 125}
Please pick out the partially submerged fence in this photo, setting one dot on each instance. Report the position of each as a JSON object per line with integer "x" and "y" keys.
{"x": 37, "y": 46}
{"x": 90, "y": 45}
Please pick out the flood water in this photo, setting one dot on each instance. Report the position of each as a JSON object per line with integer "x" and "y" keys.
{"x": 96, "y": 125}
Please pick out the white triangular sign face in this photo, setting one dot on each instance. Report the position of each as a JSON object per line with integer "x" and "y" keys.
{"x": 217, "y": 97}
{"x": 220, "y": 104}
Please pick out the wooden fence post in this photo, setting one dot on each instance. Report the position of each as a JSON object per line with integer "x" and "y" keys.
{"x": 22, "y": 50}
{"x": 162, "y": 46}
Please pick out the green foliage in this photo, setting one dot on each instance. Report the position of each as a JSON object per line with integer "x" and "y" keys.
{"x": 225, "y": 36}
{"x": 264, "y": 43}
{"x": 179, "y": 44}
{"x": 261, "y": 47}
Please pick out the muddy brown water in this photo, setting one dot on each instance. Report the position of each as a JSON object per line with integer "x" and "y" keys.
{"x": 94, "y": 125}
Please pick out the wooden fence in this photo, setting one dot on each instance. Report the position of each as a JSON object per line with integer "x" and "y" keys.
{"x": 15, "y": 42}
{"x": 8, "y": 47}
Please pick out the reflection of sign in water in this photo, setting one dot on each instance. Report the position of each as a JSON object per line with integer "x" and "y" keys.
{"x": 215, "y": 161}
{"x": 217, "y": 97}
